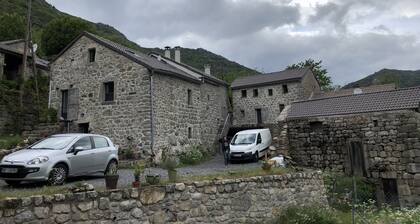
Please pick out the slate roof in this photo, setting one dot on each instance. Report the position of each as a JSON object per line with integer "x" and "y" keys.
{"x": 400, "y": 99}
{"x": 270, "y": 78}
{"x": 138, "y": 57}
{"x": 5, "y": 48}
{"x": 346, "y": 92}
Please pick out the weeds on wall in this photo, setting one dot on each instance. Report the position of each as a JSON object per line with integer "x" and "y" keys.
{"x": 194, "y": 155}
{"x": 307, "y": 215}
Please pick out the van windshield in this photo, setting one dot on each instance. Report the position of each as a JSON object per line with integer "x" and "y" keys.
{"x": 243, "y": 139}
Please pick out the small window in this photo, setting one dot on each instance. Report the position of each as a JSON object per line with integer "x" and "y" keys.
{"x": 84, "y": 142}
{"x": 270, "y": 92}
{"x": 315, "y": 125}
{"x": 243, "y": 113}
{"x": 100, "y": 142}
{"x": 285, "y": 89}
{"x": 109, "y": 91}
{"x": 92, "y": 54}
{"x": 281, "y": 107}
{"x": 208, "y": 97}
{"x": 243, "y": 93}
{"x": 189, "y": 97}
{"x": 189, "y": 132}
{"x": 255, "y": 92}
{"x": 375, "y": 123}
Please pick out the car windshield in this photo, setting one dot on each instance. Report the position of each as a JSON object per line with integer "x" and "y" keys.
{"x": 243, "y": 139}
{"x": 53, "y": 143}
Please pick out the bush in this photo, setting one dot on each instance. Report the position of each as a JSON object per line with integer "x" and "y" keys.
{"x": 306, "y": 215}
{"x": 193, "y": 156}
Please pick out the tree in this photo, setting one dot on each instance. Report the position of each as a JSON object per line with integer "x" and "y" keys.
{"x": 12, "y": 27}
{"x": 320, "y": 73}
{"x": 60, "y": 32}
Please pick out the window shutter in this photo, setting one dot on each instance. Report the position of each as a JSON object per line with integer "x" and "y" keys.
{"x": 73, "y": 109}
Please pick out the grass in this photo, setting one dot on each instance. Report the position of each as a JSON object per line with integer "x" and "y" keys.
{"x": 26, "y": 192}
{"x": 10, "y": 141}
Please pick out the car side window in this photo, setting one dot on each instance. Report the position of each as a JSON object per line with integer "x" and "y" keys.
{"x": 100, "y": 142}
{"x": 84, "y": 142}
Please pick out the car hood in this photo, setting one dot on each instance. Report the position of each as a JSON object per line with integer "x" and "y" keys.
{"x": 241, "y": 148}
{"x": 25, "y": 155}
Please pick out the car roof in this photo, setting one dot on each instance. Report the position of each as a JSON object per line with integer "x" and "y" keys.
{"x": 78, "y": 135}
{"x": 251, "y": 131}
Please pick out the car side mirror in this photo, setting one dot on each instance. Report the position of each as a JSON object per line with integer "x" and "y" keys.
{"x": 77, "y": 149}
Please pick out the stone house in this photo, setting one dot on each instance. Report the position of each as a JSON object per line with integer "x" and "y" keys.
{"x": 374, "y": 135}
{"x": 143, "y": 102}
{"x": 258, "y": 100}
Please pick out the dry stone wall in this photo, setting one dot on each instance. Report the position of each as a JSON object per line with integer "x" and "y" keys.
{"x": 247, "y": 200}
{"x": 390, "y": 143}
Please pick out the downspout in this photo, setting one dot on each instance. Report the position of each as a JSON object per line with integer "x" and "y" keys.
{"x": 151, "y": 113}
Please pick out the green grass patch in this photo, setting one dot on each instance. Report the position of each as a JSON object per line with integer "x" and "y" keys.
{"x": 26, "y": 192}
{"x": 9, "y": 142}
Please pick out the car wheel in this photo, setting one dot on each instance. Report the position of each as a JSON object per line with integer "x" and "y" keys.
{"x": 256, "y": 156}
{"x": 112, "y": 168}
{"x": 13, "y": 183}
{"x": 58, "y": 175}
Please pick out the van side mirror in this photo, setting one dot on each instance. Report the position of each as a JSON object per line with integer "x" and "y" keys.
{"x": 77, "y": 149}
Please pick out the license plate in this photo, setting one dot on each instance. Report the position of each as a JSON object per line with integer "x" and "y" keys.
{"x": 236, "y": 155}
{"x": 9, "y": 170}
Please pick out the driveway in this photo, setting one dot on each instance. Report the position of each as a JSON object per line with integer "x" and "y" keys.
{"x": 212, "y": 166}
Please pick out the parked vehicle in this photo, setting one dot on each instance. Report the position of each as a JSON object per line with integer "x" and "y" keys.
{"x": 60, "y": 156}
{"x": 250, "y": 144}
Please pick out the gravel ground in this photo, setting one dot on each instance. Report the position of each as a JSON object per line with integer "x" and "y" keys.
{"x": 126, "y": 176}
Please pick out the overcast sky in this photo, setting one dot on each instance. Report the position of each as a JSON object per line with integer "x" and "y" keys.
{"x": 353, "y": 38}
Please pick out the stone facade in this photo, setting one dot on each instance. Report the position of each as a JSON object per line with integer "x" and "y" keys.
{"x": 244, "y": 108}
{"x": 247, "y": 200}
{"x": 150, "y": 110}
{"x": 389, "y": 142}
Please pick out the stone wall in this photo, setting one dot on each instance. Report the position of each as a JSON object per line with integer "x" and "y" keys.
{"x": 250, "y": 200}
{"x": 390, "y": 143}
{"x": 128, "y": 116}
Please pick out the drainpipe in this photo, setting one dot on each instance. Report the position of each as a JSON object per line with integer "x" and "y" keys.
{"x": 151, "y": 113}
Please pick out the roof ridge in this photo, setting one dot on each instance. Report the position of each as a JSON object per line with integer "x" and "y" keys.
{"x": 361, "y": 94}
{"x": 274, "y": 73}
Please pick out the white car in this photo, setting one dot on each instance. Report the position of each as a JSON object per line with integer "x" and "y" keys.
{"x": 250, "y": 144}
{"x": 60, "y": 156}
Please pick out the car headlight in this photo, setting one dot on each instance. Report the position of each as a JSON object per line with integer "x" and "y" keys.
{"x": 38, "y": 160}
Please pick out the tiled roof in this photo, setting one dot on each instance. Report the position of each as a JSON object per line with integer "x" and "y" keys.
{"x": 270, "y": 78}
{"x": 4, "y": 47}
{"x": 346, "y": 92}
{"x": 399, "y": 99}
{"x": 138, "y": 57}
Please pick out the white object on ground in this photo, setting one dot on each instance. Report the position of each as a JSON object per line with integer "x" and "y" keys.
{"x": 279, "y": 161}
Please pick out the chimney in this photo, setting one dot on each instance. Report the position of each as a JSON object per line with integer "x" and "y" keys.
{"x": 168, "y": 52}
{"x": 207, "y": 69}
{"x": 178, "y": 54}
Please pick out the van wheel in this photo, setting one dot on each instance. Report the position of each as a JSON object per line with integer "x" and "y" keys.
{"x": 58, "y": 175}
{"x": 13, "y": 183}
{"x": 256, "y": 156}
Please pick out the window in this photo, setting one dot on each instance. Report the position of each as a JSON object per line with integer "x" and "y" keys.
{"x": 270, "y": 92}
{"x": 259, "y": 140}
{"x": 92, "y": 54}
{"x": 208, "y": 97}
{"x": 243, "y": 113}
{"x": 84, "y": 142}
{"x": 64, "y": 103}
{"x": 315, "y": 125}
{"x": 285, "y": 89}
{"x": 109, "y": 91}
{"x": 375, "y": 123}
{"x": 281, "y": 107}
{"x": 243, "y": 93}
{"x": 100, "y": 142}
{"x": 255, "y": 92}
{"x": 189, "y": 132}
{"x": 189, "y": 97}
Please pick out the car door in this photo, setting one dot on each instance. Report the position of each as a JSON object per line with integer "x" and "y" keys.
{"x": 102, "y": 152}
{"x": 82, "y": 162}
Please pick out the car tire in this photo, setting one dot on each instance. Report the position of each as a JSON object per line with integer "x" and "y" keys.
{"x": 111, "y": 168}
{"x": 13, "y": 183}
{"x": 256, "y": 156}
{"x": 58, "y": 175}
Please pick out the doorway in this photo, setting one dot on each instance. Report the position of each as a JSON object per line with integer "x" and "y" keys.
{"x": 357, "y": 159}
{"x": 259, "y": 116}
{"x": 390, "y": 188}
{"x": 84, "y": 128}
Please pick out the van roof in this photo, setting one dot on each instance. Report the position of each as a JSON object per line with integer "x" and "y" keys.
{"x": 252, "y": 131}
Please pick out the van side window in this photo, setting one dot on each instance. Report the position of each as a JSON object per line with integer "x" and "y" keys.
{"x": 259, "y": 138}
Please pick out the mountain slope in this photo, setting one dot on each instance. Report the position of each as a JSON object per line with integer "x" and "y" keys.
{"x": 401, "y": 78}
{"x": 42, "y": 13}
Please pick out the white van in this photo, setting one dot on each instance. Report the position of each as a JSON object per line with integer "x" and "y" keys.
{"x": 250, "y": 144}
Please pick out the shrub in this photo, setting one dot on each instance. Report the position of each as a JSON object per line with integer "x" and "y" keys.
{"x": 306, "y": 215}
{"x": 193, "y": 156}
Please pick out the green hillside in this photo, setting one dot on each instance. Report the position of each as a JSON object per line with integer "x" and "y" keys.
{"x": 42, "y": 13}
{"x": 401, "y": 78}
